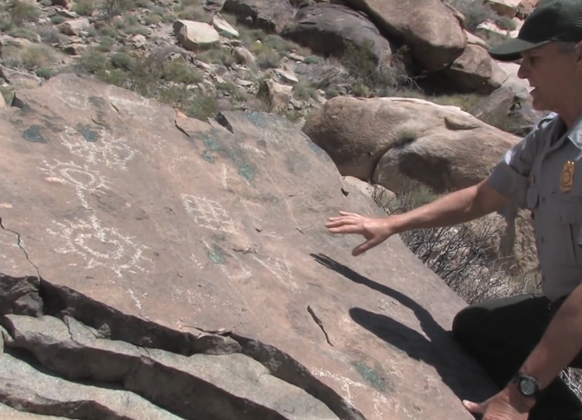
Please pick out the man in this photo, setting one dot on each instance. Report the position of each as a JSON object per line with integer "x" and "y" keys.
{"x": 524, "y": 342}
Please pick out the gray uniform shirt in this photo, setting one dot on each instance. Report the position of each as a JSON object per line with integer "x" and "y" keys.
{"x": 531, "y": 173}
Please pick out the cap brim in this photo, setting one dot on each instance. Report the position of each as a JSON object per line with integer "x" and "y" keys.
{"x": 511, "y": 50}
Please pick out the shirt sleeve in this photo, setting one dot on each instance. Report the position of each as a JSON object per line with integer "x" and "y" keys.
{"x": 510, "y": 177}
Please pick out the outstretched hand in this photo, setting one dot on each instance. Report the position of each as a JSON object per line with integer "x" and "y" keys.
{"x": 499, "y": 407}
{"x": 375, "y": 231}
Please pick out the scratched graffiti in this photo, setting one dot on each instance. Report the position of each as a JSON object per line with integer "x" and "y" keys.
{"x": 73, "y": 99}
{"x": 208, "y": 214}
{"x": 100, "y": 246}
{"x": 96, "y": 145}
{"x": 97, "y": 244}
{"x": 138, "y": 108}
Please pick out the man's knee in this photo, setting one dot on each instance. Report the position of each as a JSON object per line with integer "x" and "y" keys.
{"x": 466, "y": 324}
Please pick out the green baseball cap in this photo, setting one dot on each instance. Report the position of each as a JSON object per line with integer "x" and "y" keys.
{"x": 551, "y": 21}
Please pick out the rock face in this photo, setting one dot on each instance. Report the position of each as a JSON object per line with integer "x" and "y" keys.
{"x": 324, "y": 27}
{"x": 163, "y": 260}
{"x": 427, "y": 27}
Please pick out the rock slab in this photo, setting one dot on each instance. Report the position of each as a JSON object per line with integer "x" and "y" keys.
{"x": 155, "y": 229}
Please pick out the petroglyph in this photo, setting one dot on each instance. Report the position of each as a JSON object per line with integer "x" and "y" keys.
{"x": 100, "y": 246}
{"x": 98, "y": 146}
{"x": 350, "y": 388}
{"x": 81, "y": 177}
{"x": 140, "y": 109}
{"x": 253, "y": 149}
{"x": 208, "y": 214}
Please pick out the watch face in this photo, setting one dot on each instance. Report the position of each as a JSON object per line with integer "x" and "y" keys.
{"x": 528, "y": 387}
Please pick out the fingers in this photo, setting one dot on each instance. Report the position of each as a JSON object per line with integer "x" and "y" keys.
{"x": 474, "y": 407}
{"x": 360, "y": 249}
{"x": 346, "y": 229}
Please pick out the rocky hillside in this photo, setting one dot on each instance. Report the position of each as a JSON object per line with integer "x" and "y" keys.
{"x": 203, "y": 56}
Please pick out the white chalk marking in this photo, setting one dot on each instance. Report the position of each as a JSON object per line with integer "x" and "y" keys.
{"x": 107, "y": 150}
{"x": 100, "y": 246}
{"x": 208, "y": 214}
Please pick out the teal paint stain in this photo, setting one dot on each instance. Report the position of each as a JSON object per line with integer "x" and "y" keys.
{"x": 211, "y": 144}
{"x": 33, "y": 134}
{"x": 207, "y": 156}
{"x": 371, "y": 375}
{"x": 216, "y": 255}
{"x": 247, "y": 171}
{"x": 88, "y": 133}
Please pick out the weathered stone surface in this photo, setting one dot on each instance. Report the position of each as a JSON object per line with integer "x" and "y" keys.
{"x": 427, "y": 27}
{"x": 149, "y": 228}
{"x": 216, "y": 385}
{"x": 325, "y": 27}
{"x": 271, "y": 16}
{"x": 9, "y": 413}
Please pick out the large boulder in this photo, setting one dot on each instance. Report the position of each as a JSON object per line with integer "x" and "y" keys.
{"x": 325, "y": 28}
{"x": 474, "y": 71}
{"x": 186, "y": 262}
{"x": 271, "y": 16}
{"x": 428, "y": 27}
{"x": 194, "y": 36}
{"x": 380, "y": 139}
{"x": 402, "y": 142}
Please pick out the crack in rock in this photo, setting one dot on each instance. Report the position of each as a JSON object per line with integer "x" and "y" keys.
{"x": 19, "y": 244}
{"x": 70, "y": 356}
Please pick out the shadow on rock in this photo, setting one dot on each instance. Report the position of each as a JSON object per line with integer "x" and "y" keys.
{"x": 439, "y": 350}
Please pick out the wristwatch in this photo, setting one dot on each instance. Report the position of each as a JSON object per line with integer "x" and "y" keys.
{"x": 527, "y": 386}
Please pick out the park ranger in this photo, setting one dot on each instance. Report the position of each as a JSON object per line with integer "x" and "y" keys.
{"x": 524, "y": 342}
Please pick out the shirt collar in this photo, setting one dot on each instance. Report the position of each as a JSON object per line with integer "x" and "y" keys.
{"x": 575, "y": 134}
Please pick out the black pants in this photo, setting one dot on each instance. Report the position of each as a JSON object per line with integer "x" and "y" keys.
{"x": 501, "y": 333}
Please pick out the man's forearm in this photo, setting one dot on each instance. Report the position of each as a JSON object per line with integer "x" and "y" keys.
{"x": 560, "y": 344}
{"x": 457, "y": 207}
